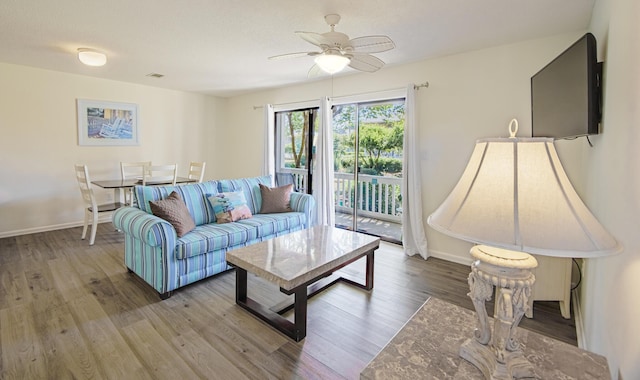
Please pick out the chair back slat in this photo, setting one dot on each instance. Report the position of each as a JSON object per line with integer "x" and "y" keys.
{"x": 160, "y": 174}
{"x": 133, "y": 170}
{"x": 196, "y": 170}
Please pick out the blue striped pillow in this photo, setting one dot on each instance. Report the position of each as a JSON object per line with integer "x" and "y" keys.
{"x": 194, "y": 196}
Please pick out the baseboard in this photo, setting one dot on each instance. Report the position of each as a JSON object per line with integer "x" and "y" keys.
{"x": 52, "y": 227}
{"x": 577, "y": 315}
{"x": 466, "y": 260}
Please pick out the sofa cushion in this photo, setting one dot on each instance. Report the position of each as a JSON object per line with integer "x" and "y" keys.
{"x": 194, "y": 196}
{"x": 250, "y": 188}
{"x": 173, "y": 210}
{"x": 213, "y": 237}
{"x": 275, "y": 199}
{"x": 272, "y": 224}
{"x": 230, "y": 207}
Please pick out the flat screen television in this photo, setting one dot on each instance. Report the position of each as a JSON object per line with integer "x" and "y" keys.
{"x": 566, "y": 93}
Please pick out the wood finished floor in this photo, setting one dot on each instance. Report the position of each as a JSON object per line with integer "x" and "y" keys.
{"x": 71, "y": 311}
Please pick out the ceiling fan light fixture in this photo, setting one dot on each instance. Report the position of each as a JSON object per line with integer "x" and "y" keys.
{"x": 332, "y": 63}
{"x": 91, "y": 57}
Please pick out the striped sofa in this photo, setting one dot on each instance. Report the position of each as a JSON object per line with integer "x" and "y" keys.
{"x": 153, "y": 251}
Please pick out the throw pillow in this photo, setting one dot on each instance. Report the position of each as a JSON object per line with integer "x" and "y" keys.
{"x": 275, "y": 199}
{"x": 230, "y": 206}
{"x": 174, "y": 210}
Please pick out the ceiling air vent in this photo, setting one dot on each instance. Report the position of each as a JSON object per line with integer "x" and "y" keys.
{"x": 155, "y": 75}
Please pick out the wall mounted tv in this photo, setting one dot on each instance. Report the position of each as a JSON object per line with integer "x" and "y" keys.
{"x": 566, "y": 93}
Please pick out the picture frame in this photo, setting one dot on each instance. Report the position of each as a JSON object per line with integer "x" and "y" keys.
{"x": 104, "y": 123}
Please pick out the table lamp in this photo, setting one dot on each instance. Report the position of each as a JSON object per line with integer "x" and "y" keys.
{"x": 514, "y": 199}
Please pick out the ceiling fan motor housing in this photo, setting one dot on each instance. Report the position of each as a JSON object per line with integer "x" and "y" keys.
{"x": 332, "y": 19}
{"x": 338, "y": 39}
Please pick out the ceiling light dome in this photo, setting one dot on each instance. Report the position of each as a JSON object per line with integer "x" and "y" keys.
{"x": 91, "y": 57}
{"x": 332, "y": 63}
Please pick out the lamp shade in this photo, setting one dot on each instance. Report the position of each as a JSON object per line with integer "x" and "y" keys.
{"x": 332, "y": 63}
{"x": 91, "y": 57}
{"x": 514, "y": 194}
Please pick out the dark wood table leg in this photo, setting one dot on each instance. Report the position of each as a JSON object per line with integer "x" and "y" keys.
{"x": 368, "y": 282}
{"x": 369, "y": 273}
{"x": 300, "y": 314}
{"x": 241, "y": 285}
{"x": 296, "y": 330}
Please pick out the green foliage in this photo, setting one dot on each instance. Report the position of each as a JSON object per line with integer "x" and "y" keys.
{"x": 369, "y": 171}
{"x": 384, "y": 165}
{"x": 381, "y": 135}
{"x": 296, "y": 126}
{"x": 386, "y": 113}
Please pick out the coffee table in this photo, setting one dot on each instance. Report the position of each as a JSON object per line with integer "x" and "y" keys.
{"x": 302, "y": 263}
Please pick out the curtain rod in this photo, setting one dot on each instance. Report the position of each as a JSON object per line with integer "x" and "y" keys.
{"x": 286, "y": 104}
{"x": 415, "y": 87}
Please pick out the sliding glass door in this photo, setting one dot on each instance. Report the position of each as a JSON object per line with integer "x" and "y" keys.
{"x": 368, "y": 139}
{"x": 367, "y": 145}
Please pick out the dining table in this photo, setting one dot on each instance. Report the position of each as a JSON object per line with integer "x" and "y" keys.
{"x": 127, "y": 184}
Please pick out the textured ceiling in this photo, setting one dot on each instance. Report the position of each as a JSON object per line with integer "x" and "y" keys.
{"x": 220, "y": 47}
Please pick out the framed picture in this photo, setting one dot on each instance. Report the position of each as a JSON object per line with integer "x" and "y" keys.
{"x": 103, "y": 123}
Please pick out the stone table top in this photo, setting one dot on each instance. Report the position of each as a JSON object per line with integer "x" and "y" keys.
{"x": 427, "y": 348}
{"x": 293, "y": 259}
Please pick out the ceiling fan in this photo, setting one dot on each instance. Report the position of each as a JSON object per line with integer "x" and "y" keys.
{"x": 338, "y": 51}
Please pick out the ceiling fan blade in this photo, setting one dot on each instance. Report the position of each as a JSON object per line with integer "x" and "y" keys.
{"x": 315, "y": 38}
{"x": 371, "y": 44}
{"x": 366, "y": 62}
{"x": 293, "y": 55}
{"x": 314, "y": 72}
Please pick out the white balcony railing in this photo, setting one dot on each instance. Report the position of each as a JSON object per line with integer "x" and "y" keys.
{"x": 378, "y": 196}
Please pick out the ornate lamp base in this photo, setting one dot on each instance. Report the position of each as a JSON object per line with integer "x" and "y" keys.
{"x": 498, "y": 355}
{"x": 484, "y": 358}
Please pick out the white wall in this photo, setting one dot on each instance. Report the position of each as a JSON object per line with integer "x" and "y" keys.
{"x": 39, "y": 143}
{"x": 471, "y": 96}
{"x": 609, "y": 299}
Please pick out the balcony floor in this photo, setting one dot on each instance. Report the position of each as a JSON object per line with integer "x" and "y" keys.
{"x": 388, "y": 231}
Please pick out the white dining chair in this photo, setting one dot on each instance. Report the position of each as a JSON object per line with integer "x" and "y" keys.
{"x": 196, "y": 170}
{"x": 160, "y": 174}
{"x": 132, "y": 170}
{"x": 92, "y": 209}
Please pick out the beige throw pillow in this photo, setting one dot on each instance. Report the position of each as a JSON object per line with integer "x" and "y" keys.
{"x": 174, "y": 210}
{"x": 275, "y": 199}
